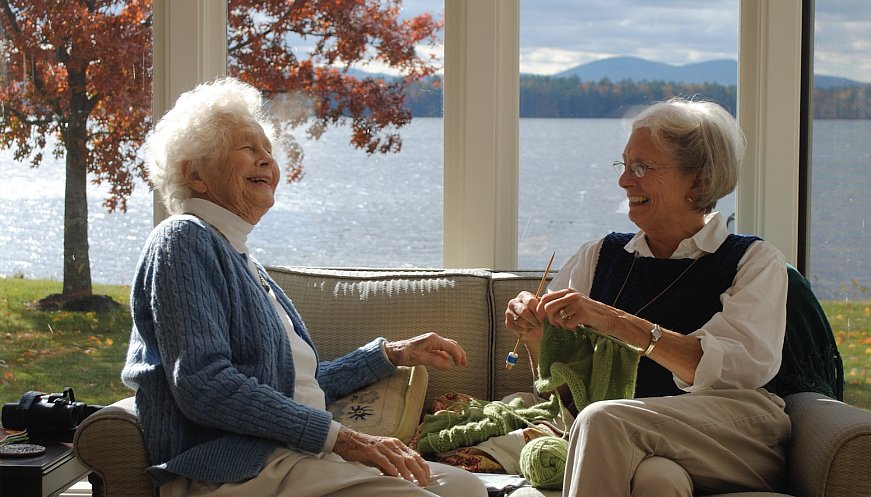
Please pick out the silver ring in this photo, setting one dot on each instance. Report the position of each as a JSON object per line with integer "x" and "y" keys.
{"x": 516, "y": 317}
{"x": 563, "y": 315}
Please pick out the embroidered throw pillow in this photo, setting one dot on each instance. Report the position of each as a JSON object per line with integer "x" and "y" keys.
{"x": 391, "y": 407}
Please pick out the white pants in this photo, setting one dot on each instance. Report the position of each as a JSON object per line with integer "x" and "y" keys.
{"x": 706, "y": 443}
{"x": 288, "y": 475}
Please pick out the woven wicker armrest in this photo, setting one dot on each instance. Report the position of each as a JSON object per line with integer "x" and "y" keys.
{"x": 111, "y": 444}
{"x": 830, "y": 449}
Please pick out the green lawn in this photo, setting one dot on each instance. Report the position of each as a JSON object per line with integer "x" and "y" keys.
{"x": 45, "y": 351}
{"x": 851, "y": 323}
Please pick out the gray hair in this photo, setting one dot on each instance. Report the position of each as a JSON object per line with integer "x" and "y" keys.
{"x": 700, "y": 137}
{"x": 199, "y": 128}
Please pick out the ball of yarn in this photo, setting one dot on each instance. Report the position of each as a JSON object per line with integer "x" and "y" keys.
{"x": 543, "y": 462}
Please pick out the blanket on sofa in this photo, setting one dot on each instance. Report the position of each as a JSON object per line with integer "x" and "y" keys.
{"x": 470, "y": 422}
{"x": 811, "y": 360}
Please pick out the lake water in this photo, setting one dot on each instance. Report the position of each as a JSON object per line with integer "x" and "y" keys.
{"x": 351, "y": 209}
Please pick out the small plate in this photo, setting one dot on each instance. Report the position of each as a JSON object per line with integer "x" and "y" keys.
{"x": 21, "y": 450}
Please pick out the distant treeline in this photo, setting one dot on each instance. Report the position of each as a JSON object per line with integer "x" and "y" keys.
{"x": 546, "y": 96}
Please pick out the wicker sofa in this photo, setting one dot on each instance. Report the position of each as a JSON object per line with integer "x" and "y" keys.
{"x": 829, "y": 452}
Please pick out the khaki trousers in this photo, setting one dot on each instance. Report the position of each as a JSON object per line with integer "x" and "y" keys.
{"x": 700, "y": 443}
{"x": 287, "y": 474}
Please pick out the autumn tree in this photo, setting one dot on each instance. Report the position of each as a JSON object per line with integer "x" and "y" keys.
{"x": 304, "y": 50}
{"x": 79, "y": 71}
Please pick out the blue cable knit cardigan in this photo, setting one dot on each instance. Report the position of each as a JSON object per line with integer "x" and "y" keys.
{"x": 211, "y": 362}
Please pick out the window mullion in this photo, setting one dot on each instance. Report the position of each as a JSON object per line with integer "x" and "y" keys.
{"x": 769, "y": 112}
{"x": 190, "y": 47}
{"x": 481, "y": 122}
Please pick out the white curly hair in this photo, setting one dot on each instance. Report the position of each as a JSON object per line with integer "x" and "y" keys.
{"x": 199, "y": 128}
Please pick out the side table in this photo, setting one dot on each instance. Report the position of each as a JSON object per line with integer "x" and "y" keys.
{"x": 47, "y": 475}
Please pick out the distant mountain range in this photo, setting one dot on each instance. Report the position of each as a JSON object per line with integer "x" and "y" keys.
{"x": 723, "y": 71}
{"x": 607, "y": 88}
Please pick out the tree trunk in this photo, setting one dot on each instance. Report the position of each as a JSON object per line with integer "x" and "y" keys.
{"x": 77, "y": 262}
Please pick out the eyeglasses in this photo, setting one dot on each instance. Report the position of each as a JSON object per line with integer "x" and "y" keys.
{"x": 638, "y": 169}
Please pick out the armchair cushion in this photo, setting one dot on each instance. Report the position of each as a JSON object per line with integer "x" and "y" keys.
{"x": 391, "y": 407}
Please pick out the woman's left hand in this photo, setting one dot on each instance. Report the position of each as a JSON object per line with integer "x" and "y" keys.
{"x": 428, "y": 349}
{"x": 568, "y": 309}
{"x": 388, "y": 454}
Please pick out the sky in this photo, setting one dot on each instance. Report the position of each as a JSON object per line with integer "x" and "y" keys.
{"x": 556, "y": 35}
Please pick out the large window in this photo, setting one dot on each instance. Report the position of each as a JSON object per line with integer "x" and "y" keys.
{"x": 353, "y": 209}
{"x": 840, "y": 208}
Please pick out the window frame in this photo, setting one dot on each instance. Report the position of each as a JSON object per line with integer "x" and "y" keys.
{"x": 770, "y": 114}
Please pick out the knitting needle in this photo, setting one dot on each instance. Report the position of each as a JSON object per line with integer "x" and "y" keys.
{"x": 511, "y": 358}
{"x": 544, "y": 278}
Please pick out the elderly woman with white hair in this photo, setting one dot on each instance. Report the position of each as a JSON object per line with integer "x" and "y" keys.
{"x": 229, "y": 388}
{"x": 705, "y": 308}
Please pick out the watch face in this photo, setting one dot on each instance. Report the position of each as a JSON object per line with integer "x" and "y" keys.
{"x": 655, "y": 334}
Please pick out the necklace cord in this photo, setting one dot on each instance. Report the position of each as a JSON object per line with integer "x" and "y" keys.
{"x": 660, "y": 294}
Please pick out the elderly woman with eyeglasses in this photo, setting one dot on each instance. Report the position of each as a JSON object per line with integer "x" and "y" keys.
{"x": 230, "y": 391}
{"x": 706, "y": 309}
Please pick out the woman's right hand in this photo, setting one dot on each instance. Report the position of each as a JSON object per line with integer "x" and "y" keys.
{"x": 521, "y": 319}
{"x": 388, "y": 454}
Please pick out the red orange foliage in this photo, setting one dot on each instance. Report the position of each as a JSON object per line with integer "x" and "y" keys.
{"x": 306, "y": 48}
{"x": 80, "y": 71}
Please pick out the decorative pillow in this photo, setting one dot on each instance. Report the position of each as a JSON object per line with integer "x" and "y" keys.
{"x": 391, "y": 407}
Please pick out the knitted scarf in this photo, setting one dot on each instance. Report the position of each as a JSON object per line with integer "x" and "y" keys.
{"x": 594, "y": 366}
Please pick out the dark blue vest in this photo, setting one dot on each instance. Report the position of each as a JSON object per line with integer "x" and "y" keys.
{"x": 683, "y": 308}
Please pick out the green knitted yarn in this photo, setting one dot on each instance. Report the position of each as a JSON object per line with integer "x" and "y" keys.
{"x": 594, "y": 366}
{"x": 543, "y": 462}
{"x": 479, "y": 420}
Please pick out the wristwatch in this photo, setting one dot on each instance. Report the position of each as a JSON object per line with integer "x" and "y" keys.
{"x": 655, "y": 335}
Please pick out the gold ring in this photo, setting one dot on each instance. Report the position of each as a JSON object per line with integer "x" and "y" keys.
{"x": 563, "y": 315}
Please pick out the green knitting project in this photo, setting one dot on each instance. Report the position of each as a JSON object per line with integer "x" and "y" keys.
{"x": 479, "y": 420}
{"x": 594, "y": 366}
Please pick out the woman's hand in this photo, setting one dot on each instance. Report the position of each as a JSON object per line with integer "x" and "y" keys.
{"x": 428, "y": 349}
{"x": 568, "y": 309}
{"x": 521, "y": 317}
{"x": 390, "y": 455}
{"x": 563, "y": 308}
{"x": 522, "y": 320}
